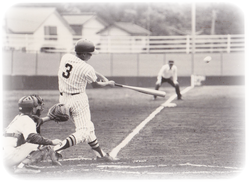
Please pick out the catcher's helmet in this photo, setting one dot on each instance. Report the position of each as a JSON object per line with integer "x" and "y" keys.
{"x": 27, "y": 103}
{"x": 84, "y": 45}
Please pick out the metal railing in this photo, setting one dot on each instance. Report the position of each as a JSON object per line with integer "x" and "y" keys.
{"x": 130, "y": 44}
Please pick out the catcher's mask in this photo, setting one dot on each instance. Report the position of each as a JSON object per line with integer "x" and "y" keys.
{"x": 39, "y": 108}
{"x": 30, "y": 103}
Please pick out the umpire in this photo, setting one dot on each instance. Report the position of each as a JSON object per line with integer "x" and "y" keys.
{"x": 168, "y": 73}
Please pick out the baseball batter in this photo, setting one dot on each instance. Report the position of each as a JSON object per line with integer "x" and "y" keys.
{"x": 168, "y": 73}
{"x": 73, "y": 76}
{"x": 21, "y": 140}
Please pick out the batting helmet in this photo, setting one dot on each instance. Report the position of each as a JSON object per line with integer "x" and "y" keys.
{"x": 84, "y": 45}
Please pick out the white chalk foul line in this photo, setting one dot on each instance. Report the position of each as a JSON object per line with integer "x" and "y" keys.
{"x": 124, "y": 166}
{"x": 210, "y": 166}
{"x": 132, "y": 170}
{"x": 115, "y": 151}
{"x": 201, "y": 165}
{"x": 163, "y": 165}
{"x": 169, "y": 173}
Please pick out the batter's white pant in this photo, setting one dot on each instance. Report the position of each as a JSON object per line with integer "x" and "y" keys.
{"x": 14, "y": 156}
{"x": 80, "y": 115}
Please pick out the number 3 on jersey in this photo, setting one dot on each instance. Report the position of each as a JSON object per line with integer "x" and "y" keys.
{"x": 69, "y": 68}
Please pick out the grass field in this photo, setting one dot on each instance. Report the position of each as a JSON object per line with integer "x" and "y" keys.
{"x": 202, "y": 137}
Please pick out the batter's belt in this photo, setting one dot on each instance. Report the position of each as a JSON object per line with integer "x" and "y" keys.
{"x": 70, "y": 94}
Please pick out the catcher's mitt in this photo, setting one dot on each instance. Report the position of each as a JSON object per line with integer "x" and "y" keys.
{"x": 59, "y": 113}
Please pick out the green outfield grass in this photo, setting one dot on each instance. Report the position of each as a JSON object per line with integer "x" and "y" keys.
{"x": 203, "y": 137}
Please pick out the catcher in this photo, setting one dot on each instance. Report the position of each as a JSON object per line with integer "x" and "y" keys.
{"x": 23, "y": 145}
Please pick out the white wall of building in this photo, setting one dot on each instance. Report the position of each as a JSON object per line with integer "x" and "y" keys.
{"x": 64, "y": 36}
{"x": 90, "y": 29}
{"x": 114, "y": 38}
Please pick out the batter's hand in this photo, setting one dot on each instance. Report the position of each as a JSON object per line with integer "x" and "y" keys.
{"x": 158, "y": 82}
{"x": 104, "y": 79}
{"x": 101, "y": 77}
{"x": 111, "y": 83}
{"x": 56, "y": 141}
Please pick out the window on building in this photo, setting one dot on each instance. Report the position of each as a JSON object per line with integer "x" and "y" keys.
{"x": 50, "y": 32}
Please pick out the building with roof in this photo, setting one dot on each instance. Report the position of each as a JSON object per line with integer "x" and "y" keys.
{"x": 124, "y": 29}
{"x": 44, "y": 28}
{"x": 124, "y": 36}
{"x": 107, "y": 37}
{"x": 86, "y": 25}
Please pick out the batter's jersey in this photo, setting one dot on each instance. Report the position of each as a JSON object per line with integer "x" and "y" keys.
{"x": 166, "y": 72}
{"x": 74, "y": 74}
{"x": 20, "y": 125}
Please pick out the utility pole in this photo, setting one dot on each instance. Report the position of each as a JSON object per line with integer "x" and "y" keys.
{"x": 212, "y": 32}
{"x": 193, "y": 34}
{"x": 148, "y": 17}
{"x": 148, "y": 28}
{"x": 5, "y": 18}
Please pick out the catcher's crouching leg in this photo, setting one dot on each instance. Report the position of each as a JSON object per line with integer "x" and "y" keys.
{"x": 42, "y": 154}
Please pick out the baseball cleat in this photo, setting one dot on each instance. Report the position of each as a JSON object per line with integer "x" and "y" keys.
{"x": 25, "y": 170}
{"x": 107, "y": 158}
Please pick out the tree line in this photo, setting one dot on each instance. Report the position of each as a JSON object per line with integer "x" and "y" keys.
{"x": 164, "y": 18}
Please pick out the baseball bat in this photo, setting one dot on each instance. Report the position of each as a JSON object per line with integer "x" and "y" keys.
{"x": 143, "y": 90}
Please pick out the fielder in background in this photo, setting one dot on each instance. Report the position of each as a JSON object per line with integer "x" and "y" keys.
{"x": 21, "y": 140}
{"x": 73, "y": 75}
{"x": 168, "y": 73}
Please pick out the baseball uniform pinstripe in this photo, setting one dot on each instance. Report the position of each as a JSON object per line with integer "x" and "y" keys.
{"x": 73, "y": 75}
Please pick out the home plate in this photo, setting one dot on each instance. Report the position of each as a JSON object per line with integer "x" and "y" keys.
{"x": 169, "y": 105}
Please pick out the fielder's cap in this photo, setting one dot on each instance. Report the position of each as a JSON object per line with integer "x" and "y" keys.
{"x": 171, "y": 62}
{"x": 84, "y": 45}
